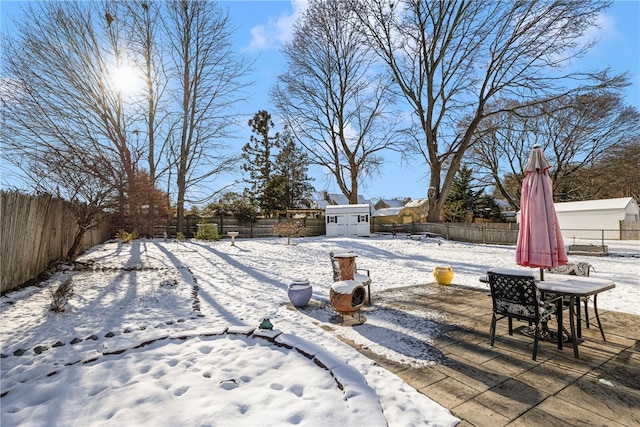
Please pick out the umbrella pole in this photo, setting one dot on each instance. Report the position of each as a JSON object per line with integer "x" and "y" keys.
{"x": 542, "y": 274}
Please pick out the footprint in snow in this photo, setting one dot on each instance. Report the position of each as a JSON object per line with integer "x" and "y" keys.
{"x": 229, "y": 384}
{"x": 180, "y": 391}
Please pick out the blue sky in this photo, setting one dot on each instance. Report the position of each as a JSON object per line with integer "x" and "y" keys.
{"x": 262, "y": 27}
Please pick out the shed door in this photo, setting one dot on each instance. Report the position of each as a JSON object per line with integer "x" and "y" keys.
{"x": 352, "y": 229}
{"x": 343, "y": 225}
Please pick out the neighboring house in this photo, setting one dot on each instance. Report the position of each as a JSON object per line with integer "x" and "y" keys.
{"x": 419, "y": 207}
{"x": 588, "y": 218}
{"x": 319, "y": 204}
{"x": 507, "y": 211}
{"x": 412, "y": 211}
{"x": 390, "y": 216}
{"x": 390, "y": 203}
{"x": 348, "y": 220}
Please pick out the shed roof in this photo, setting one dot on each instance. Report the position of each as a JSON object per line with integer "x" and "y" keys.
{"x": 341, "y": 199}
{"x": 594, "y": 205}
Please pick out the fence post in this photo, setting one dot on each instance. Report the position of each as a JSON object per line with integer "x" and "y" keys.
{"x": 621, "y": 231}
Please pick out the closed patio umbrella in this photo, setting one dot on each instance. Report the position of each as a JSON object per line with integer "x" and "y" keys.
{"x": 540, "y": 242}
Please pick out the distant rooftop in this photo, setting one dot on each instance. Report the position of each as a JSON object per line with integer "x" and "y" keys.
{"x": 388, "y": 211}
{"x": 594, "y": 205}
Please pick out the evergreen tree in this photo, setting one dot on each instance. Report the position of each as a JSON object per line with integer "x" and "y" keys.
{"x": 278, "y": 180}
{"x": 233, "y": 204}
{"x": 291, "y": 179}
{"x": 486, "y": 207}
{"x": 460, "y": 203}
{"x": 258, "y": 162}
{"x": 464, "y": 204}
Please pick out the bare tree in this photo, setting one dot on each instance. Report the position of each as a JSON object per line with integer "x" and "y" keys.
{"x": 576, "y": 132}
{"x": 337, "y": 108}
{"x": 85, "y": 192}
{"x": 499, "y": 150}
{"x": 453, "y": 59}
{"x": 146, "y": 51}
{"x": 78, "y": 179}
{"x": 62, "y": 93}
{"x": 60, "y": 99}
{"x": 209, "y": 77}
{"x": 619, "y": 171}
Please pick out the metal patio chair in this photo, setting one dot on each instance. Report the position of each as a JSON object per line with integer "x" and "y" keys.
{"x": 517, "y": 297}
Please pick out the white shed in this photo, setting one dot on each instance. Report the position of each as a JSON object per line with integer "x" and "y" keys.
{"x": 588, "y": 218}
{"x": 348, "y": 220}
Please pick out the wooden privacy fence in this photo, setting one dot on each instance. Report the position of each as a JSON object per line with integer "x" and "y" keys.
{"x": 262, "y": 227}
{"x": 35, "y": 232}
{"x": 489, "y": 233}
{"x": 507, "y": 233}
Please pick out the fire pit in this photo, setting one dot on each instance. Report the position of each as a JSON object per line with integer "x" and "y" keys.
{"x": 347, "y": 296}
{"x": 347, "y": 264}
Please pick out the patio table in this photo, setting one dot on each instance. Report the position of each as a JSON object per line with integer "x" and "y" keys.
{"x": 576, "y": 287}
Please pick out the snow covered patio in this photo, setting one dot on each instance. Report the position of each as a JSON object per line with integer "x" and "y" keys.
{"x": 174, "y": 325}
{"x": 485, "y": 386}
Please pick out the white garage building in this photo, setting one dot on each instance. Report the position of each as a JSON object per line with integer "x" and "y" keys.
{"x": 595, "y": 219}
{"x": 348, "y": 220}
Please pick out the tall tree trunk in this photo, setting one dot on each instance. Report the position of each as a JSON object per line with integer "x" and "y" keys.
{"x": 433, "y": 196}
{"x": 180, "y": 201}
{"x": 353, "y": 195}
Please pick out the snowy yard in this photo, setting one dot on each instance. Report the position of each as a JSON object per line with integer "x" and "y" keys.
{"x": 156, "y": 333}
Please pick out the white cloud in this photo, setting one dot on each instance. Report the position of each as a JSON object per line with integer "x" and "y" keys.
{"x": 605, "y": 28}
{"x": 277, "y": 30}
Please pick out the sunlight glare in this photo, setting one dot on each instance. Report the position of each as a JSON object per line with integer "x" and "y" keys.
{"x": 127, "y": 80}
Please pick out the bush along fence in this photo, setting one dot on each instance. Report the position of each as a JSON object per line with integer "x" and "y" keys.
{"x": 35, "y": 233}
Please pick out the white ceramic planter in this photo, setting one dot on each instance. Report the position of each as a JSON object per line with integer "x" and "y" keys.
{"x": 300, "y": 293}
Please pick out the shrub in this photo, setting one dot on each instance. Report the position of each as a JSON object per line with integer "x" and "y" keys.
{"x": 207, "y": 232}
{"x": 61, "y": 295}
{"x": 289, "y": 230}
{"x": 126, "y": 237}
{"x": 180, "y": 236}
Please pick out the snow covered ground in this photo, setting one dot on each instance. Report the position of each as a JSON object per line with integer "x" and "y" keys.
{"x": 157, "y": 334}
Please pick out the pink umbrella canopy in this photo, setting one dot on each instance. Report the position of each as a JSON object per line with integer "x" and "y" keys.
{"x": 540, "y": 242}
